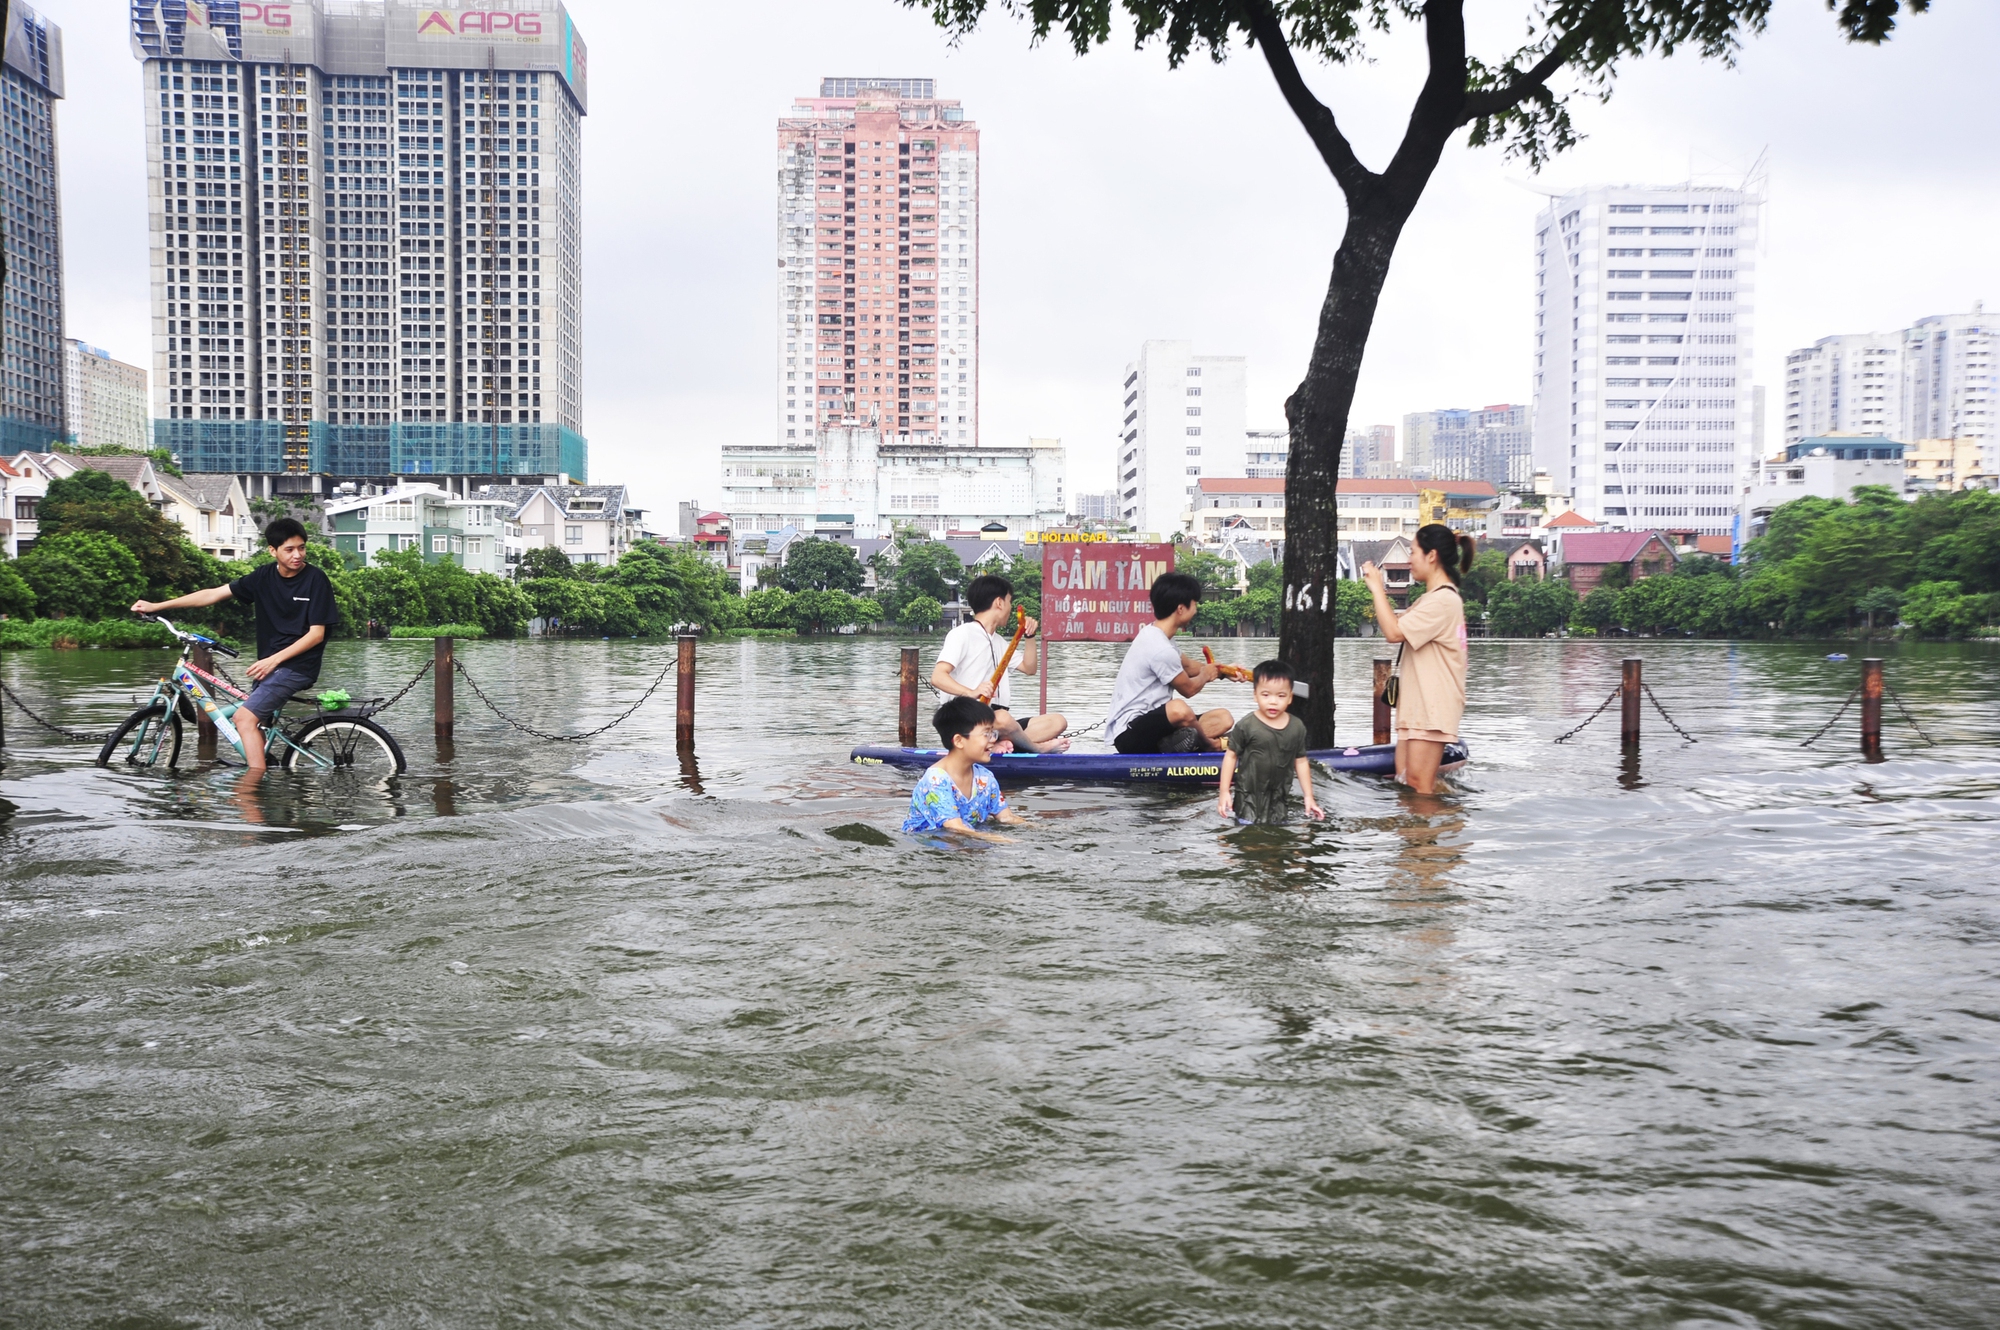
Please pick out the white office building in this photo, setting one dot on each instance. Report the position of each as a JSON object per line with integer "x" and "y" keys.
{"x": 858, "y": 483}
{"x": 1184, "y": 418}
{"x": 1644, "y": 300}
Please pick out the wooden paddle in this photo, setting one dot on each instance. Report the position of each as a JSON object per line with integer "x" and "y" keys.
{"x": 1240, "y": 673}
{"x": 993, "y": 684}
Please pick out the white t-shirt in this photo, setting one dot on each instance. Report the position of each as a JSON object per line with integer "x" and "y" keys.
{"x": 973, "y": 654}
{"x": 1145, "y": 680}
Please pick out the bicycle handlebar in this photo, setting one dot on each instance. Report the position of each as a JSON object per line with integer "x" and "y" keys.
{"x": 186, "y": 636}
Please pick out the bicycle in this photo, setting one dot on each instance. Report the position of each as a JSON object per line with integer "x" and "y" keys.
{"x": 342, "y": 740}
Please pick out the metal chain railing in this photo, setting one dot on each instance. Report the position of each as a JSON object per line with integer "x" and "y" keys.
{"x": 1820, "y": 733}
{"x": 1663, "y": 714}
{"x": 404, "y": 691}
{"x": 1908, "y": 717}
{"x": 1602, "y": 707}
{"x": 564, "y": 738}
{"x": 74, "y": 736}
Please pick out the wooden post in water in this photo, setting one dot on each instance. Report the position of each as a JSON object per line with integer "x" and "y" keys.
{"x": 1871, "y": 706}
{"x": 906, "y": 711}
{"x": 1628, "y": 687}
{"x": 1381, "y": 707}
{"x": 204, "y": 728}
{"x": 442, "y": 709}
{"x": 684, "y": 694}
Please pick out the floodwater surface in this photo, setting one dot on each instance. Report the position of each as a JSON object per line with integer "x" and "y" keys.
{"x": 603, "y": 1035}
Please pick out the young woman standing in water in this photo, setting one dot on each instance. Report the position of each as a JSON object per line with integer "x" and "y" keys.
{"x": 1431, "y": 658}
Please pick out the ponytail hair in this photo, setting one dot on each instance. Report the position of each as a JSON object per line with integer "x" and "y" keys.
{"x": 1454, "y": 551}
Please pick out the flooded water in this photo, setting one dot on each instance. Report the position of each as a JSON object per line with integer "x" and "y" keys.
{"x": 556, "y": 1033}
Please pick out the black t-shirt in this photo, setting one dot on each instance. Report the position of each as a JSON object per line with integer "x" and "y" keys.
{"x": 286, "y": 607}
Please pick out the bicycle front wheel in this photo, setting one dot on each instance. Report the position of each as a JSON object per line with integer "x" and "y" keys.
{"x": 148, "y": 737}
{"x": 359, "y": 746}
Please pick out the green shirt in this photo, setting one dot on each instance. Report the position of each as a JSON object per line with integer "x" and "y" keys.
{"x": 1265, "y": 759}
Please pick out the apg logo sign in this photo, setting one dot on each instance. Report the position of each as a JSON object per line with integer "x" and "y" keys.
{"x": 480, "y": 23}
{"x": 275, "y": 15}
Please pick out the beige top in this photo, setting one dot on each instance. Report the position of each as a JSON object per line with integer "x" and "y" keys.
{"x": 1433, "y": 687}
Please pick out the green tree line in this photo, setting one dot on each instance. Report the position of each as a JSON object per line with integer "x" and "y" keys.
{"x": 1822, "y": 568}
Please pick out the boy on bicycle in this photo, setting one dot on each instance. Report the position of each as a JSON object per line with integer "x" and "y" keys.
{"x": 294, "y": 602}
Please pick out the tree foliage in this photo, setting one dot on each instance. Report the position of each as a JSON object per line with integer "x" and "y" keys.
{"x": 821, "y": 565}
{"x": 99, "y": 501}
{"x": 81, "y": 574}
{"x": 544, "y": 561}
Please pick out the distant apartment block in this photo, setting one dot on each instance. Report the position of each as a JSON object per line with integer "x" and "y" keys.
{"x": 1101, "y": 507}
{"x": 1931, "y": 380}
{"x": 31, "y": 303}
{"x": 878, "y": 257}
{"x": 1183, "y": 419}
{"x": 1493, "y": 443}
{"x": 106, "y": 399}
{"x": 1644, "y": 300}
{"x": 1369, "y": 453}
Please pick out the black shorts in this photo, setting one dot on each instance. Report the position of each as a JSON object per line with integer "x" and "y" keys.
{"x": 1148, "y": 730}
{"x": 1022, "y": 721}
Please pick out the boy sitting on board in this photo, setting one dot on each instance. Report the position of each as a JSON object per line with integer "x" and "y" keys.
{"x": 973, "y": 651}
{"x": 957, "y": 791}
{"x": 1268, "y": 748}
{"x": 1146, "y": 717}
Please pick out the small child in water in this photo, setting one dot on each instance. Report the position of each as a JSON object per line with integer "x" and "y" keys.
{"x": 1268, "y": 748}
{"x": 957, "y": 791}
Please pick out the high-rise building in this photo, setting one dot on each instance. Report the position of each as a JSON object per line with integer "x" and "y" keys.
{"x": 1849, "y": 384}
{"x": 1643, "y": 325}
{"x": 1368, "y": 452}
{"x": 1492, "y": 443}
{"x": 106, "y": 399}
{"x": 366, "y": 236}
{"x": 1949, "y": 391}
{"x": 1931, "y": 380}
{"x": 1184, "y": 419}
{"x": 31, "y": 304}
{"x": 878, "y": 251}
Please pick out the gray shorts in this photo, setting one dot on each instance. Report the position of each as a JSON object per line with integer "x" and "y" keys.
{"x": 275, "y": 689}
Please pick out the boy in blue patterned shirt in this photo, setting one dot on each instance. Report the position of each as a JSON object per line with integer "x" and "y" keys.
{"x": 957, "y": 791}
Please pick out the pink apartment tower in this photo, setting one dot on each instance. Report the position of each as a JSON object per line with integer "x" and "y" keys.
{"x": 878, "y": 258}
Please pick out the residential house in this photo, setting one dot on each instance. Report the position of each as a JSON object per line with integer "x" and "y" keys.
{"x": 589, "y": 523}
{"x": 468, "y": 530}
{"x": 1642, "y": 554}
{"x": 22, "y": 488}
{"x": 214, "y": 511}
{"x": 1527, "y": 560}
{"x": 710, "y": 535}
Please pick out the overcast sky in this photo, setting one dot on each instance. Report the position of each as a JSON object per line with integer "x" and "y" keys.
{"x": 1123, "y": 201}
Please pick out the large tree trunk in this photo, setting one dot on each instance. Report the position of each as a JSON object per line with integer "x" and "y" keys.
{"x": 1318, "y": 414}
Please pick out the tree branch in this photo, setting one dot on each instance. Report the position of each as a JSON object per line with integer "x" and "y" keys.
{"x": 1492, "y": 101}
{"x": 1334, "y": 149}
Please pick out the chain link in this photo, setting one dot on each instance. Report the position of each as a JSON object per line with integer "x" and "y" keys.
{"x": 1908, "y": 717}
{"x": 564, "y": 738}
{"x": 1820, "y": 733}
{"x": 1663, "y": 714}
{"x": 404, "y": 691}
{"x": 74, "y": 736}
{"x": 1602, "y": 707}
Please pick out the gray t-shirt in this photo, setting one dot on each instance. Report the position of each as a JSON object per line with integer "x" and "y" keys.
{"x": 1144, "y": 681}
